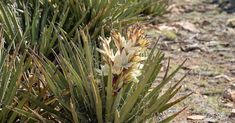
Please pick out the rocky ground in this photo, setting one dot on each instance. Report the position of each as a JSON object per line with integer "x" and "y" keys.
{"x": 204, "y": 34}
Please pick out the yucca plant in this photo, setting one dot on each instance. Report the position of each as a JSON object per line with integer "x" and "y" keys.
{"x": 81, "y": 82}
{"x": 38, "y": 20}
{"x": 11, "y": 71}
{"x": 117, "y": 89}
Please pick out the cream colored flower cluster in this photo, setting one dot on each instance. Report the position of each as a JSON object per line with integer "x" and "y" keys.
{"x": 125, "y": 58}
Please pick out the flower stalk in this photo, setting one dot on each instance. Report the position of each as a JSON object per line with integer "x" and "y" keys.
{"x": 124, "y": 60}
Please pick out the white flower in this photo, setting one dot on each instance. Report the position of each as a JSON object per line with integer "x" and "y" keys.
{"x": 121, "y": 61}
{"x": 104, "y": 70}
{"x": 125, "y": 62}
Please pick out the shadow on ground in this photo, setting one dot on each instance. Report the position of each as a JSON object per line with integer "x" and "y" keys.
{"x": 225, "y": 5}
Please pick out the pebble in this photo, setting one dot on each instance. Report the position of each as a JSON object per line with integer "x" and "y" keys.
{"x": 229, "y": 93}
{"x": 231, "y": 22}
{"x": 232, "y": 72}
{"x": 232, "y": 115}
{"x": 228, "y": 105}
{"x": 211, "y": 120}
{"x": 223, "y": 77}
{"x": 196, "y": 117}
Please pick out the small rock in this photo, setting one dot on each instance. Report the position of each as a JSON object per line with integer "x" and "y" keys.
{"x": 232, "y": 115}
{"x": 233, "y": 86}
{"x": 225, "y": 77}
{"x": 189, "y": 48}
{"x": 233, "y": 96}
{"x": 196, "y": 117}
{"x": 232, "y": 60}
{"x": 177, "y": 9}
{"x": 211, "y": 120}
{"x": 231, "y": 22}
{"x": 229, "y": 93}
{"x": 205, "y": 96}
{"x": 186, "y": 25}
{"x": 222, "y": 50}
{"x": 208, "y": 73}
{"x": 191, "y": 67}
{"x": 205, "y": 23}
{"x": 232, "y": 72}
{"x": 228, "y": 105}
{"x": 212, "y": 43}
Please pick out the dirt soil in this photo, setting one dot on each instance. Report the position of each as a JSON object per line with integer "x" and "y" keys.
{"x": 199, "y": 31}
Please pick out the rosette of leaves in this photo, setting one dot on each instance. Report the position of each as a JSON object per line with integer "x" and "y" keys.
{"x": 85, "y": 95}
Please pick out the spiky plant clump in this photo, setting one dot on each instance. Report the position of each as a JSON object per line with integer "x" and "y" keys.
{"x": 113, "y": 94}
{"x": 36, "y": 22}
{"x": 75, "y": 84}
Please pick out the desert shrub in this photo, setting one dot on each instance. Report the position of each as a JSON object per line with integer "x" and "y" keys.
{"x": 119, "y": 88}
